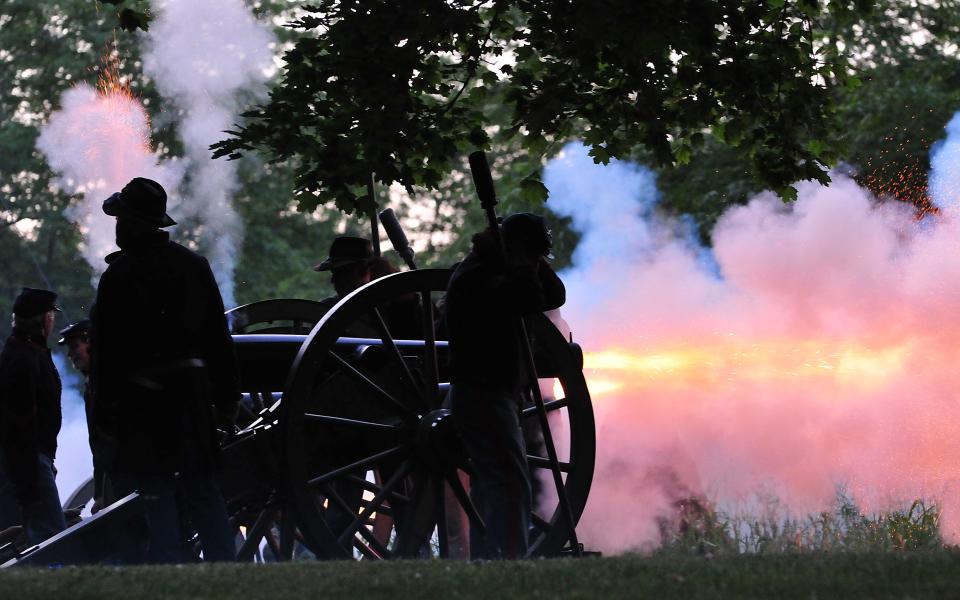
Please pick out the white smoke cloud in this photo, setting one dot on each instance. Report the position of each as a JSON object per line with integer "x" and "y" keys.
{"x": 74, "y": 461}
{"x": 202, "y": 55}
{"x": 944, "y": 171}
{"x": 97, "y": 143}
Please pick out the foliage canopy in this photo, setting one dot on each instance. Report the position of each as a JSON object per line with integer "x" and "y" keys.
{"x": 400, "y": 89}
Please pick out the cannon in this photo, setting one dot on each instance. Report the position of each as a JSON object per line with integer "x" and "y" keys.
{"x": 365, "y": 459}
{"x": 347, "y": 449}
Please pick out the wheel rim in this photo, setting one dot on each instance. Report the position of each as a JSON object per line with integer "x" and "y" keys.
{"x": 394, "y": 465}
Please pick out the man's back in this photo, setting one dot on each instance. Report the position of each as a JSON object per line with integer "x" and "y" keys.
{"x": 158, "y": 319}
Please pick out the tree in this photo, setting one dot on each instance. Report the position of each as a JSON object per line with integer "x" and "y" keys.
{"x": 400, "y": 89}
{"x": 46, "y": 47}
{"x": 903, "y": 52}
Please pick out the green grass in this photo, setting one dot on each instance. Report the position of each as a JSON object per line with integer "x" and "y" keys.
{"x": 921, "y": 574}
{"x": 697, "y": 528}
{"x": 841, "y": 553}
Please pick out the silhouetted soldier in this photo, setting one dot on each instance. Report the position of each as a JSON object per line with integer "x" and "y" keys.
{"x": 30, "y": 415}
{"x": 76, "y": 337}
{"x": 349, "y": 265}
{"x": 160, "y": 394}
{"x": 483, "y": 301}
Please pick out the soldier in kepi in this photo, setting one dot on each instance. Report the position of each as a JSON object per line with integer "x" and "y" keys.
{"x": 484, "y": 299}
{"x": 30, "y": 417}
{"x": 164, "y": 374}
{"x": 76, "y": 337}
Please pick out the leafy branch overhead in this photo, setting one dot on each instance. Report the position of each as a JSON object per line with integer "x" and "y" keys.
{"x": 400, "y": 89}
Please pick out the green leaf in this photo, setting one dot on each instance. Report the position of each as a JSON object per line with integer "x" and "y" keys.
{"x": 788, "y": 193}
{"x": 533, "y": 191}
{"x": 816, "y": 147}
{"x": 600, "y": 154}
{"x": 131, "y": 20}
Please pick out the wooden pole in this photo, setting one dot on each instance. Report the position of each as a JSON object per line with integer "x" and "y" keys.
{"x": 372, "y": 213}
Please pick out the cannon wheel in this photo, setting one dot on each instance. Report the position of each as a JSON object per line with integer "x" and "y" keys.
{"x": 81, "y": 497}
{"x": 413, "y": 471}
{"x": 268, "y": 522}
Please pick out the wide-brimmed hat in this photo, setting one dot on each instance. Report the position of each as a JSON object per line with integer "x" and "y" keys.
{"x": 80, "y": 329}
{"x": 32, "y": 302}
{"x": 142, "y": 200}
{"x": 347, "y": 250}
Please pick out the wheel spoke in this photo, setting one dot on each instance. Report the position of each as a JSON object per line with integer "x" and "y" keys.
{"x": 331, "y": 420}
{"x": 374, "y": 504}
{"x": 379, "y": 548}
{"x": 366, "y": 550}
{"x": 540, "y": 522}
{"x": 395, "y": 352}
{"x": 379, "y": 393}
{"x": 373, "y": 487}
{"x": 256, "y": 533}
{"x": 430, "y": 351}
{"x": 531, "y": 411}
{"x": 465, "y": 502}
{"x": 383, "y": 509}
{"x": 364, "y": 463}
{"x": 541, "y": 462}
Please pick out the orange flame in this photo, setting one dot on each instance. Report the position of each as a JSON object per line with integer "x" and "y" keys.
{"x": 721, "y": 364}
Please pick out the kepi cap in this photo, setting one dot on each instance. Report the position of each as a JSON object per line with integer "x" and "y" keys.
{"x": 32, "y": 302}
{"x": 80, "y": 329}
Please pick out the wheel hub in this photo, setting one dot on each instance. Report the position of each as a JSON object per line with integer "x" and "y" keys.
{"x": 437, "y": 441}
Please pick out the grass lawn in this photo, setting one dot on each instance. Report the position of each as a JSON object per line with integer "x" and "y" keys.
{"x": 830, "y": 575}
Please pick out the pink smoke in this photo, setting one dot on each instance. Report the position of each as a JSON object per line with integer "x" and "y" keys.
{"x": 815, "y": 347}
{"x": 96, "y": 143}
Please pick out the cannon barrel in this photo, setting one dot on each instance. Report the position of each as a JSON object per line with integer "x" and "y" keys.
{"x": 265, "y": 359}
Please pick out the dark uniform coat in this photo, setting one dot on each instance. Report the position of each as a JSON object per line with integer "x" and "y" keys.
{"x": 482, "y": 304}
{"x": 30, "y": 414}
{"x": 162, "y": 355}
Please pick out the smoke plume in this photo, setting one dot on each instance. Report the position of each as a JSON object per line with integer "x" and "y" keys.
{"x": 816, "y": 349}
{"x": 944, "y": 175}
{"x": 202, "y": 55}
{"x": 74, "y": 461}
{"x": 97, "y": 142}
